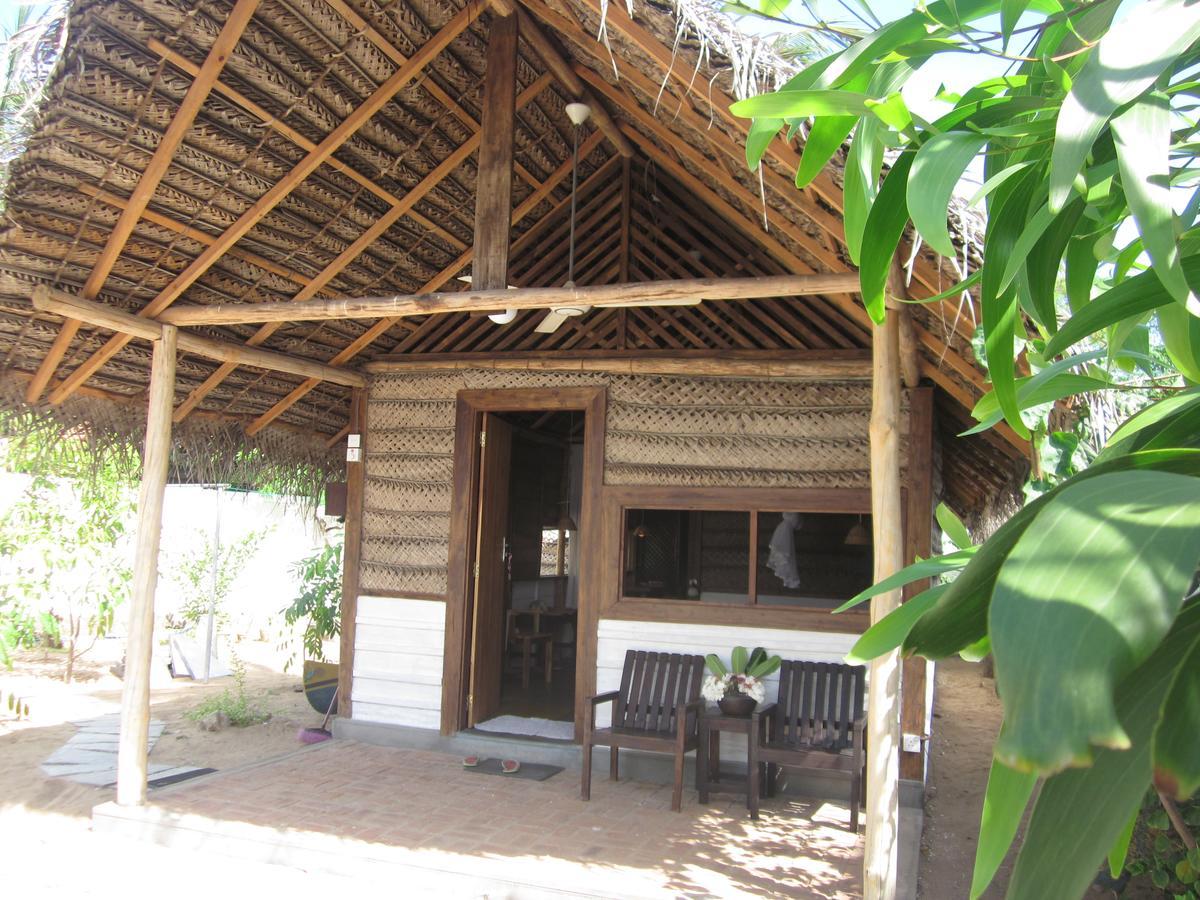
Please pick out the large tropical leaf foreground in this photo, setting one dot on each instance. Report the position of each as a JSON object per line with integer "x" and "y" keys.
{"x": 1081, "y": 599}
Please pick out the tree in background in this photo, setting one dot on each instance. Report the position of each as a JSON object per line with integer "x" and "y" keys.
{"x": 193, "y": 570}
{"x": 65, "y": 560}
{"x": 1086, "y": 598}
{"x": 319, "y": 601}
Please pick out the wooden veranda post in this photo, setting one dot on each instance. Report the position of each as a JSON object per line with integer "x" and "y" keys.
{"x": 352, "y": 550}
{"x": 135, "y": 696}
{"x": 880, "y": 862}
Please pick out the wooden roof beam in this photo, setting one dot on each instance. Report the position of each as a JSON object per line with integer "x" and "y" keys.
{"x": 183, "y": 63}
{"x": 367, "y": 337}
{"x": 347, "y": 256}
{"x": 189, "y": 107}
{"x": 571, "y": 82}
{"x": 101, "y": 315}
{"x": 680, "y": 291}
{"x": 349, "y": 125}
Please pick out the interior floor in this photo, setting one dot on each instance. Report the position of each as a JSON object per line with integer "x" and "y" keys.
{"x": 540, "y": 700}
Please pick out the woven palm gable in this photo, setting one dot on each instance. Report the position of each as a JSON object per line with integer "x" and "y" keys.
{"x": 300, "y": 69}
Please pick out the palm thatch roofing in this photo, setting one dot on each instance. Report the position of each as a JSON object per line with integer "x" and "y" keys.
{"x": 391, "y": 210}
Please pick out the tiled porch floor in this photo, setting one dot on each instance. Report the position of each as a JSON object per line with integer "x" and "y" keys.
{"x": 359, "y": 809}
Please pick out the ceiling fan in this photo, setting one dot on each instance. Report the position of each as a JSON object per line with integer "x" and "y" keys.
{"x": 578, "y": 113}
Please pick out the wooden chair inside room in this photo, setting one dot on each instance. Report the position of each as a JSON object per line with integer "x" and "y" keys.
{"x": 656, "y": 708}
{"x": 816, "y": 723}
{"x": 523, "y": 635}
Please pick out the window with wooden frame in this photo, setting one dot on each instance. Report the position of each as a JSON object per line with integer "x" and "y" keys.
{"x": 786, "y": 550}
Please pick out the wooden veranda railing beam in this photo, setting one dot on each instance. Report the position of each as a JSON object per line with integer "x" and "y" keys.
{"x": 348, "y": 126}
{"x": 368, "y": 337}
{"x": 186, "y": 65}
{"x": 343, "y": 259}
{"x": 684, "y": 291}
{"x": 47, "y": 299}
{"x": 197, "y": 93}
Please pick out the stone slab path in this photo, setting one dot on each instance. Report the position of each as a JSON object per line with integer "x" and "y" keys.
{"x": 90, "y": 756}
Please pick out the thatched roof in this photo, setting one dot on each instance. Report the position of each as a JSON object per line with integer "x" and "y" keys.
{"x": 299, "y": 70}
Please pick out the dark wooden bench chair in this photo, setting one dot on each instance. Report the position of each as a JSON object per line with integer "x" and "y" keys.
{"x": 816, "y": 723}
{"x": 656, "y": 708}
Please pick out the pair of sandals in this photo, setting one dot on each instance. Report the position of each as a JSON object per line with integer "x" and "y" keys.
{"x": 507, "y": 766}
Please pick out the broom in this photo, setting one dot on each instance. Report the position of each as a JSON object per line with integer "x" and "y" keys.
{"x": 316, "y": 735}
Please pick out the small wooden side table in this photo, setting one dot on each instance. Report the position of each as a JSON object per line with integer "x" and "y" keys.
{"x": 708, "y": 755}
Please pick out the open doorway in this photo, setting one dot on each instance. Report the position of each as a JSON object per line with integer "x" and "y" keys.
{"x": 525, "y": 598}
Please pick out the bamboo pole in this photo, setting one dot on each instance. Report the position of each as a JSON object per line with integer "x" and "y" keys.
{"x": 645, "y": 293}
{"x": 134, "y": 739}
{"x": 46, "y": 299}
{"x": 881, "y": 857}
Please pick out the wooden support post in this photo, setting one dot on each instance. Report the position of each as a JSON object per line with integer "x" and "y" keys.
{"x": 626, "y": 210}
{"x": 493, "y": 184}
{"x": 352, "y": 551}
{"x": 134, "y": 739}
{"x": 918, "y": 537}
{"x": 881, "y": 857}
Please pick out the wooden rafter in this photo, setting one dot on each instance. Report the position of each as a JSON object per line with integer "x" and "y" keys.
{"x": 314, "y": 286}
{"x": 182, "y": 63}
{"x": 366, "y": 338}
{"x": 349, "y": 125}
{"x": 197, "y": 93}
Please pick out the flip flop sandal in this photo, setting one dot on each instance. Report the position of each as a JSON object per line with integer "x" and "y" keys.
{"x": 509, "y": 766}
{"x": 470, "y": 762}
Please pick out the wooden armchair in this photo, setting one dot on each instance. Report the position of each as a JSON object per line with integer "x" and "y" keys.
{"x": 816, "y": 723}
{"x": 656, "y": 708}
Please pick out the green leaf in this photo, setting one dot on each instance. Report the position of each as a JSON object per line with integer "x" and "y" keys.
{"x": 714, "y": 664}
{"x": 1010, "y": 12}
{"x": 1080, "y": 813}
{"x": 758, "y": 139}
{"x": 1126, "y": 62}
{"x": 1004, "y": 802}
{"x": 1175, "y": 750}
{"x": 1086, "y": 593}
{"x": 994, "y": 181}
{"x": 892, "y": 111}
{"x": 1132, "y": 297}
{"x": 1142, "y": 135}
{"x": 786, "y": 104}
{"x": 738, "y": 659}
{"x": 936, "y": 170}
{"x": 826, "y": 136}
{"x": 889, "y": 632}
{"x": 1120, "y": 850}
{"x": 925, "y": 568}
{"x": 1033, "y": 391}
{"x": 1181, "y": 336}
{"x": 960, "y": 617}
{"x": 863, "y": 163}
{"x": 885, "y": 224}
{"x": 1045, "y": 260}
{"x": 1081, "y": 273}
{"x": 765, "y": 667}
{"x": 953, "y": 527}
{"x": 1171, "y": 422}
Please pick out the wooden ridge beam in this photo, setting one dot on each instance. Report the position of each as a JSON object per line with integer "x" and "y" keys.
{"x": 348, "y": 126}
{"x": 646, "y": 293}
{"x": 189, "y": 107}
{"x": 186, "y": 65}
{"x": 47, "y": 299}
{"x": 815, "y": 364}
{"x": 566, "y": 76}
{"x": 368, "y": 337}
{"x": 343, "y": 259}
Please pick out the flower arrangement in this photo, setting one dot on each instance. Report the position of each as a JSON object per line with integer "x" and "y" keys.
{"x": 744, "y": 675}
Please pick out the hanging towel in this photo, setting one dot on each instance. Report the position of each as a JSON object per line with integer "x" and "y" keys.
{"x": 782, "y": 558}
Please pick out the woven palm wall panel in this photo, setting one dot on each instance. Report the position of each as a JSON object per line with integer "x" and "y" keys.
{"x": 661, "y": 430}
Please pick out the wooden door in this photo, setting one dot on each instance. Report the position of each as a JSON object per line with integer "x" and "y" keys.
{"x": 490, "y": 571}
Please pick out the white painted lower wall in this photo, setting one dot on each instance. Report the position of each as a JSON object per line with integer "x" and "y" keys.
{"x": 398, "y": 649}
{"x": 617, "y": 636}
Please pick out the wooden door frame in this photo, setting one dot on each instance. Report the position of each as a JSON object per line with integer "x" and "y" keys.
{"x": 469, "y": 409}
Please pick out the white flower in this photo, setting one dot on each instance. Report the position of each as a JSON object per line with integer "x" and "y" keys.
{"x": 752, "y": 687}
{"x": 714, "y": 687}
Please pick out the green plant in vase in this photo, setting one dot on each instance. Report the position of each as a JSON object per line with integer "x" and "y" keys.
{"x": 738, "y": 687}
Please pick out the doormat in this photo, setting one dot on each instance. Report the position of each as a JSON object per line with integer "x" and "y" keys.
{"x": 528, "y": 771}
{"x": 177, "y": 777}
{"x": 530, "y": 727}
